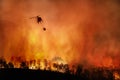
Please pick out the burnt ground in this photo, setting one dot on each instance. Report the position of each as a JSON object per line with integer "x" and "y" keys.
{"x": 26, "y": 74}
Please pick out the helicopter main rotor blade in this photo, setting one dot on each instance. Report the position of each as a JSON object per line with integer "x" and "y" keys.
{"x": 33, "y": 17}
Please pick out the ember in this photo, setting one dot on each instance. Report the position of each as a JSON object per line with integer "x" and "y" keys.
{"x": 116, "y": 75}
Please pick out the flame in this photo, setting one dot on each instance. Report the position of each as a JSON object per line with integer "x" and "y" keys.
{"x": 56, "y": 64}
{"x": 116, "y": 76}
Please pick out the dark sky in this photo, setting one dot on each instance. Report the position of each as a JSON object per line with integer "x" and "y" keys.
{"x": 78, "y": 31}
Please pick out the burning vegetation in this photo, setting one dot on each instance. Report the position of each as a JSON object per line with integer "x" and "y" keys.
{"x": 58, "y": 65}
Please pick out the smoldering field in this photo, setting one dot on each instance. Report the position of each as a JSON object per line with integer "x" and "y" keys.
{"x": 79, "y": 31}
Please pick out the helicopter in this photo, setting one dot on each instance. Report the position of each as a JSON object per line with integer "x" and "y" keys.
{"x": 39, "y": 20}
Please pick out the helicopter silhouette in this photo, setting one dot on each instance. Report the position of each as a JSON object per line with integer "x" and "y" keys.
{"x": 39, "y": 20}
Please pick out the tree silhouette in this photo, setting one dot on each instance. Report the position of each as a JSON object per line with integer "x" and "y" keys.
{"x": 10, "y": 65}
{"x": 3, "y": 63}
{"x": 23, "y": 65}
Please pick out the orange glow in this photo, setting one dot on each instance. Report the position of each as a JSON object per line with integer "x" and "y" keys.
{"x": 116, "y": 76}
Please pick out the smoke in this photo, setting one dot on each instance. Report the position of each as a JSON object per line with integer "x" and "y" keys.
{"x": 79, "y": 31}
